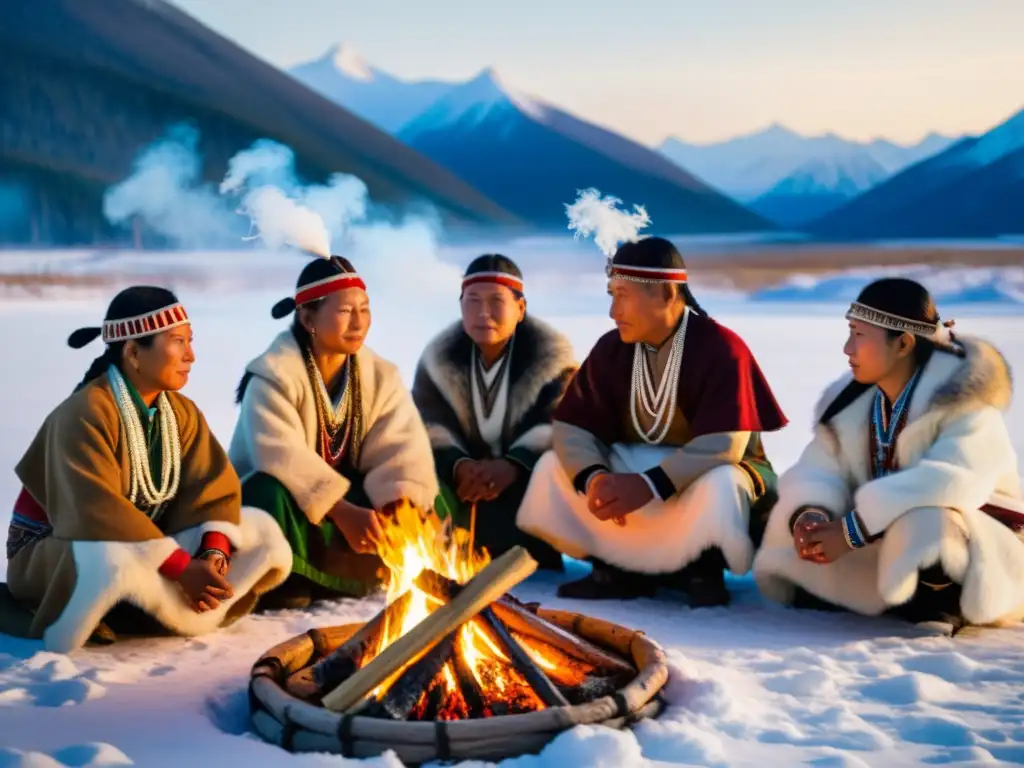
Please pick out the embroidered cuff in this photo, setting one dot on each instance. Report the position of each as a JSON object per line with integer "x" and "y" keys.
{"x": 660, "y": 483}
{"x": 217, "y": 541}
{"x": 175, "y": 564}
{"x": 582, "y": 479}
{"x": 852, "y": 531}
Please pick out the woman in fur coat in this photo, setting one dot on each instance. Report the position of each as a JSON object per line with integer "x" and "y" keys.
{"x": 908, "y": 499}
{"x": 486, "y": 388}
{"x": 328, "y": 436}
{"x": 130, "y": 515}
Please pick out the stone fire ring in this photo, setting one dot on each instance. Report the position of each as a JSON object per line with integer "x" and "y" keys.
{"x": 297, "y": 726}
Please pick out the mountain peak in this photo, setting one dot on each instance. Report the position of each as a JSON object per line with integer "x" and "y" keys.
{"x": 348, "y": 61}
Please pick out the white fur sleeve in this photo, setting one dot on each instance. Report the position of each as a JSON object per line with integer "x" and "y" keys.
{"x": 817, "y": 479}
{"x": 396, "y": 455}
{"x": 959, "y": 471}
{"x": 277, "y": 443}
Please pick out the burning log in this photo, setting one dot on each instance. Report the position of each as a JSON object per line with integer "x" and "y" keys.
{"x": 342, "y": 663}
{"x": 534, "y": 675}
{"x": 401, "y": 698}
{"x": 483, "y": 589}
{"x": 519, "y": 619}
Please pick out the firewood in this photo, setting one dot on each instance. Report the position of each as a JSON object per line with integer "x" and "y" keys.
{"x": 488, "y": 585}
{"x": 534, "y": 675}
{"x": 468, "y": 684}
{"x": 520, "y": 618}
{"x": 343, "y": 662}
{"x": 529, "y": 624}
{"x": 400, "y": 699}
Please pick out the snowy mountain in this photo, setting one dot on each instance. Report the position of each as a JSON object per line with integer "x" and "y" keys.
{"x": 532, "y": 157}
{"x": 973, "y": 189}
{"x": 749, "y": 166}
{"x": 344, "y": 77}
{"x": 817, "y": 187}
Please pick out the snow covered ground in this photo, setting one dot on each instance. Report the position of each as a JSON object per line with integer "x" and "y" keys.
{"x": 754, "y": 684}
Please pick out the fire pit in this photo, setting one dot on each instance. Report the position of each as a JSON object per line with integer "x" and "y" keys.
{"x": 452, "y": 670}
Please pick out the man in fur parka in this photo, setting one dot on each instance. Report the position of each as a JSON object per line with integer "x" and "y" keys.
{"x": 486, "y": 388}
{"x": 908, "y": 498}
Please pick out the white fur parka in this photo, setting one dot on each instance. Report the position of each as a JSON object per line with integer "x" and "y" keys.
{"x": 277, "y": 433}
{"x": 955, "y": 455}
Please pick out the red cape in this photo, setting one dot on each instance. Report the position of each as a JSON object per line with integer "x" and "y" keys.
{"x": 721, "y": 386}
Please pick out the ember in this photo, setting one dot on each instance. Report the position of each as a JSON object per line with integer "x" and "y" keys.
{"x": 451, "y": 644}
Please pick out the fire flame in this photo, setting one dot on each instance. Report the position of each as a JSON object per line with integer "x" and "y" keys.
{"x": 412, "y": 542}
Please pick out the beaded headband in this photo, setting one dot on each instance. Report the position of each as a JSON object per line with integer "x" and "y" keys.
{"x": 890, "y": 321}
{"x": 645, "y": 274}
{"x": 151, "y": 323}
{"x": 499, "y": 278}
{"x": 327, "y": 286}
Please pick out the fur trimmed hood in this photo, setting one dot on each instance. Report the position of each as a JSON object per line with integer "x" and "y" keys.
{"x": 541, "y": 365}
{"x": 949, "y": 383}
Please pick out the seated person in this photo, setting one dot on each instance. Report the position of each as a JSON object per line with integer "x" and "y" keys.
{"x": 128, "y": 500}
{"x": 486, "y": 388}
{"x": 896, "y": 504}
{"x": 657, "y": 444}
{"x": 327, "y": 436}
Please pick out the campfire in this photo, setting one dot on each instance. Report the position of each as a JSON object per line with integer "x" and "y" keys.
{"x": 453, "y": 645}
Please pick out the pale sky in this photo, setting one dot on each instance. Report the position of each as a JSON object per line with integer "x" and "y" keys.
{"x": 703, "y": 71}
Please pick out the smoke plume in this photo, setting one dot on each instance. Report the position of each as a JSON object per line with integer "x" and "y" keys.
{"x": 601, "y": 217}
{"x": 261, "y": 199}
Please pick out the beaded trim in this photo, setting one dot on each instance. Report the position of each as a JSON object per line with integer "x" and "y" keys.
{"x": 340, "y": 427}
{"x": 888, "y": 320}
{"x": 661, "y": 403}
{"x": 645, "y": 274}
{"x": 148, "y": 324}
{"x": 851, "y": 530}
{"x": 142, "y": 491}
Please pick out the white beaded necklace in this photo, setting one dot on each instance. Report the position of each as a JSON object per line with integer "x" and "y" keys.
{"x": 659, "y": 404}
{"x": 142, "y": 491}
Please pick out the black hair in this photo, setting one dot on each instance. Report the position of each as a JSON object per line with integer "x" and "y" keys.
{"x": 131, "y": 302}
{"x": 906, "y": 298}
{"x": 661, "y": 253}
{"x": 495, "y": 262}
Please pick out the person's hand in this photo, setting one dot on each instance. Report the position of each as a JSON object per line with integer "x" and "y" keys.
{"x": 219, "y": 560}
{"x": 496, "y": 475}
{"x": 826, "y": 541}
{"x": 203, "y": 586}
{"x": 801, "y": 532}
{"x": 469, "y": 485}
{"x": 613, "y": 496}
{"x": 358, "y": 525}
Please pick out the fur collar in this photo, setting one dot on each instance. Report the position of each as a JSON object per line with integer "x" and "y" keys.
{"x": 948, "y": 383}
{"x": 283, "y": 363}
{"x": 540, "y": 355}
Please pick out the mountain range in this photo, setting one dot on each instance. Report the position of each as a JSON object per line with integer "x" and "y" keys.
{"x": 975, "y": 188}
{"x": 92, "y": 84}
{"x": 527, "y": 155}
{"x": 345, "y": 77}
{"x": 791, "y": 178}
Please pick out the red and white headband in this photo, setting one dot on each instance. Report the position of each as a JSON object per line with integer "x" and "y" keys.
{"x": 645, "y": 274}
{"x": 327, "y": 286}
{"x": 498, "y": 278}
{"x": 151, "y": 323}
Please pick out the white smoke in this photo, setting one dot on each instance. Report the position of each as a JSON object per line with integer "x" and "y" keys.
{"x": 261, "y": 199}
{"x": 593, "y": 215}
{"x": 282, "y": 211}
{"x": 166, "y": 192}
